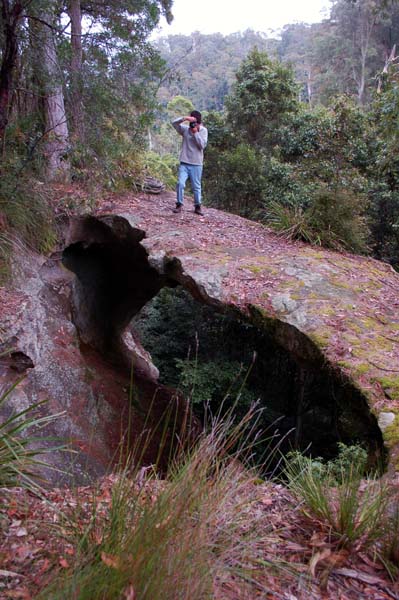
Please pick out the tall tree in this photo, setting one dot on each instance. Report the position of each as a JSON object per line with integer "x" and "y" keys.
{"x": 264, "y": 92}
{"x": 116, "y": 27}
{"x": 11, "y": 14}
{"x": 49, "y": 77}
{"x": 77, "y": 120}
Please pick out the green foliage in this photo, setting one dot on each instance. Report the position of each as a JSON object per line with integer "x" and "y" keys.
{"x": 384, "y": 218}
{"x": 119, "y": 102}
{"x": 115, "y": 163}
{"x": 334, "y": 219}
{"x": 25, "y": 208}
{"x": 264, "y": 94}
{"x": 290, "y": 221}
{"x": 197, "y": 351}
{"x": 329, "y": 145}
{"x": 335, "y": 493}
{"x": 390, "y": 541}
{"x": 285, "y": 186}
{"x": 337, "y": 218}
{"x": 384, "y": 172}
{"x": 20, "y": 453}
{"x": 179, "y": 107}
{"x": 210, "y": 382}
{"x": 234, "y": 180}
{"x": 202, "y": 67}
{"x": 349, "y": 460}
{"x": 161, "y": 167}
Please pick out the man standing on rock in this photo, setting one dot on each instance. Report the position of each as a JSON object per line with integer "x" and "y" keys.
{"x": 195, "y": 138}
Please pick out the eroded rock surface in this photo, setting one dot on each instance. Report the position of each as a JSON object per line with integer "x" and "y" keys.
{"x": 66, "y": 328}
{"x": 88, "y": 384}
{"x": 318, "y": 303}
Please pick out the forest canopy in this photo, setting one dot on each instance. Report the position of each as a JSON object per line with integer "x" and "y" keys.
{"x": 303, "y": 127}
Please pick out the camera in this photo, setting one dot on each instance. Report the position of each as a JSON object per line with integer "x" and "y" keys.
{"x": 193, "y": 124}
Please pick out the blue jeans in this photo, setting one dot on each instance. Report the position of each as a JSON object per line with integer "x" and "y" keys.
{"x": 194, "y": 173}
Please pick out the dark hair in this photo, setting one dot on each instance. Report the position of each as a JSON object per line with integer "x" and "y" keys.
{"x": 196, "y": 114}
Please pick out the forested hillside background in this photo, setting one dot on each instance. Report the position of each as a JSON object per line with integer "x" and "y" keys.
{"x": 303, "y": 126}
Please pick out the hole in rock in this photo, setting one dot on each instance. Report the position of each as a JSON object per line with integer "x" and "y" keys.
{"x": 209, "y": 354}
{"x": 210, "y": 357}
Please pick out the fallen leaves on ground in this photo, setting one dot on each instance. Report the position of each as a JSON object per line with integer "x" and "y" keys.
{"x": 299, "y": 561}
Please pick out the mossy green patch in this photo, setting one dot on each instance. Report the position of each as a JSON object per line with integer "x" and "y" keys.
{"x": 362, "y": 368}
{"x": 369, "y": 323}
{"x": 391, "y": 386}
{"x": 315, "y": 254}
{"x": 337, "y": 282}
{"x": 354, "y": 327}
{"x": 321, "y": 339}
{"x": 391, "y": 433}
{"x": 295, "y": 296}
{"x": 351, "y": 339}
{"x": 291, "y": 284}
{"x": 383, "y": 343}
{"x": 345, "y": 364}
{"x": 254, "y": 268}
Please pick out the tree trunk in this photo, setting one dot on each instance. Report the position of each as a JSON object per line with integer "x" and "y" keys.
{"x": 56, "y": 136}
{"x": 10, "y": 19}
{"x": 77, "y": 117}
{"x": 309, "y": 85}
{"x": 367, "y": 23}
{"x": 389, "y": 60}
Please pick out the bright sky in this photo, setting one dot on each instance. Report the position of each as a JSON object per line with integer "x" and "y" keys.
{"x": 230, "y": 16}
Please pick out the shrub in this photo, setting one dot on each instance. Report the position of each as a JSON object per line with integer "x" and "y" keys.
{"x": 335, "y": 492}
{"x": 26, "y": 212}
{"x": 26, "y": 208}
{"x": 334, "y": 219}
{"x": 290, "y": 222}
{"x": 20, "y": 453}
{"x": 337, "y": 218}
{"x": 390, "y": 541}
{"x": 163, "y": 168}
{"x": 110, "y": 158}
{"x": 234, "y": 180}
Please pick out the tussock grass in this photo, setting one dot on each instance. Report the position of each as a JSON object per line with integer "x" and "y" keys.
{"x": 20, "y": 451}
{"x": 172, "y": 539}
{"x": 25, "y": 214}
{"x": 334, "y": 219}
{"x": 390, "y": 541}
{"x": 352, "y": 507}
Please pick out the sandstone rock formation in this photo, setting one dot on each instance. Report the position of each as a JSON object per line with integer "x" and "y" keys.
{"x": 335, "y": 315}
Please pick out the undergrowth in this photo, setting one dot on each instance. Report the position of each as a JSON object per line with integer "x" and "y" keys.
{"x": 171, "y": 539}
{"x": 21, "y": 448}
{"x": 25, "y": 215}
{"x": 334, "y": 219}
{"x": 352, "y": 506}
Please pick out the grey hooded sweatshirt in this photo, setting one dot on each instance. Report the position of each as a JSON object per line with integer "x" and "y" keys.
{"x": 192, "y": 150}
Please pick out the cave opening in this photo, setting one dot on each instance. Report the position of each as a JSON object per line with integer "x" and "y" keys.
{"x": 208, "y": 352}
{"x": 215, "y": 357}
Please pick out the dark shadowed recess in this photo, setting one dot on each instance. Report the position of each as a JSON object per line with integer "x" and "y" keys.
{"x": 304, "y": 401}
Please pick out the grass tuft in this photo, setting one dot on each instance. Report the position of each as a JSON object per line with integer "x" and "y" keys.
{"x": 20, "y": 453}
{"x": 172, "y": 539}
{"x": 353, "y": 508}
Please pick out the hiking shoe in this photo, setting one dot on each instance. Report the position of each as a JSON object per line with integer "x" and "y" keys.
{"x": 178, "y": 208}
{"x": 198, "y": 210}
